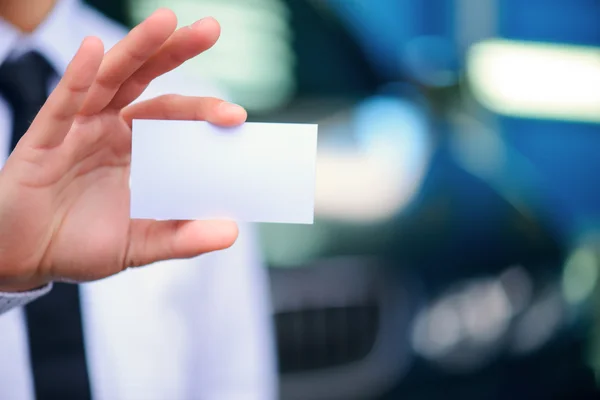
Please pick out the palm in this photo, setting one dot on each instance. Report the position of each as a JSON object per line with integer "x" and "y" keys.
{"x": 67, "y": 216}
{"x": 96, "y": 192}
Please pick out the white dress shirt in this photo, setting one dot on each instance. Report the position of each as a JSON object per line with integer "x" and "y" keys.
{"x": 186, "y": 329}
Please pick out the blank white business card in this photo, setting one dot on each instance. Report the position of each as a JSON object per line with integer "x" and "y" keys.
{"x": 255, "y": 172}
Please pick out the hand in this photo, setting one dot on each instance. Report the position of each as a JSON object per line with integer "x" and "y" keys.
{"x": 64, "y": 191}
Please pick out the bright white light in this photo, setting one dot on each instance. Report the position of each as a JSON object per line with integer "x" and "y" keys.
{"x": 378, "y": 178}
{"x": 464, "y": 325}
{"x": 536, "y": 80}
{"x": 356, "y": 187}
{"x": 444, "y": 326}
{"x": 437, "y": 330}
{"x": 485, "y": 311}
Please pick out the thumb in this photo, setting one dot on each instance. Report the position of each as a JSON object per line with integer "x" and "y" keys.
{"x": 151, "y": 241}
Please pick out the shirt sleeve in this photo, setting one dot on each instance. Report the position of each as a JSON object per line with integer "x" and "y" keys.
{"x": 9, "y": 301}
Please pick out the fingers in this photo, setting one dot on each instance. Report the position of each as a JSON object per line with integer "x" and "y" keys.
{"x": 151, "y": 241}
{"x": 176, "y": 107}
{"x": 127, "y": 56}
{"x": 184, "y": 44}
{"x": 54, "y": 120}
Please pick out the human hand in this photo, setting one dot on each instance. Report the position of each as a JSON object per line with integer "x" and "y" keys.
{"x": 64, "y": 191}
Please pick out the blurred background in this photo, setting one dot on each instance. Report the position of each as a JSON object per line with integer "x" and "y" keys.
{"x": 456, "y": 248}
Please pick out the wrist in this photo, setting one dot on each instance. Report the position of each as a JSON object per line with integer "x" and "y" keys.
{"x": 19, "y": 286}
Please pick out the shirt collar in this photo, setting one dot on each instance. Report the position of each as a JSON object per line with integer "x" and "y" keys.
{"x": 56, "y": 38}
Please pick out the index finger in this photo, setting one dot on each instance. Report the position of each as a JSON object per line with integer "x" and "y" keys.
{"x": 177, "y": 107}
{"x": 128, "y": 56}
{"x": 185, "y": 43}
{"x": 54, "y": 120}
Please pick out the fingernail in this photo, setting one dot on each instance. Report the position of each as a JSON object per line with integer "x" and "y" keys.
{"x": 197, "y": 23}
{"x": 200, "y": 22}
{"x": 231, "y": 108}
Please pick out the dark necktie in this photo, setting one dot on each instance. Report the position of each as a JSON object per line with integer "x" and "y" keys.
{"x": 54, "y": 324}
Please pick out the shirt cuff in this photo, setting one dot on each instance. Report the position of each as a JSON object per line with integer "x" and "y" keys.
{"x": 9, "y": 301}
